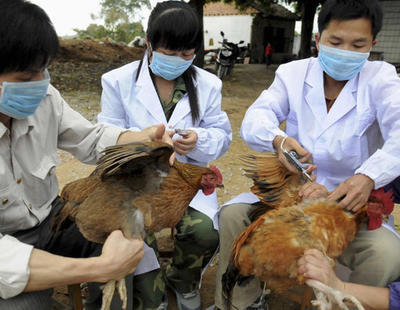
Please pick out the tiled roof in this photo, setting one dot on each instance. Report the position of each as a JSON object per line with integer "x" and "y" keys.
{"x": 278, "y": 10}
{"x": 221, "y": 8}
{"x": 224, "y": 9}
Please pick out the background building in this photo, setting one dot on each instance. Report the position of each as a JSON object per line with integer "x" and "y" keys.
{"x": 254, "y": 27}
{"x": 388, "y": 47}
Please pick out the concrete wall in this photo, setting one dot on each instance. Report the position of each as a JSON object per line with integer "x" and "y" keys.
{"x": 389, "y": 37}
{"x": 235, "y": 27}
{"x": 296, "y": 44}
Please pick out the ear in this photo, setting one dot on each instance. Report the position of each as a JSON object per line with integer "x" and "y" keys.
{"x": 317, "y": 37}
{"x": 375, "y": 42}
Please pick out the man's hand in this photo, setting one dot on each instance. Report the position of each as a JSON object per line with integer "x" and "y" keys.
{"x": 314, "y": 265}
{"x": 292, "y": 144}
{"x": 187, "y": 143}
{"x": 354, "y": 192}
{"x": 120, "y": 256}
{"x": 313, "y": 190}
{"x": 152, "y": 133}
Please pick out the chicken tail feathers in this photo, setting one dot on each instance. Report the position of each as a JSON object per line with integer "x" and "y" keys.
{"x": 271, "y": 179}
{"x": 229, "y": 280}
{"x": 259, "y": 208}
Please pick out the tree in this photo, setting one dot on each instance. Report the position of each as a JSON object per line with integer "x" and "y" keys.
{"x": 119, "y": 22}
{"x": 308, "y": 8}
{"x": 198, "y": 5}
{"x": 93, "y": 30}
{"x": 115, "y": 12}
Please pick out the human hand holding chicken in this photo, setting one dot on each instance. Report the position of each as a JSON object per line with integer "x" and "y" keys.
{"x": 353, "y": 192}
{"x": 314, "y": 265}
{"x": 152, "y": 133}
{"x": 119, "y": 256}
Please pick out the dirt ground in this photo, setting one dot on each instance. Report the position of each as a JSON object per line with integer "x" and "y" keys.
{"x": 79, "y": 84}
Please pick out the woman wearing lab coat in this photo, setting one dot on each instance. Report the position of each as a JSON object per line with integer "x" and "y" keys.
{"x": 165, "y": 87}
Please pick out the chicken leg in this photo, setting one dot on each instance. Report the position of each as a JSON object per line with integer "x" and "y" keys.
{"x": 328, "y": 297}
{"x": 108, "y": 293}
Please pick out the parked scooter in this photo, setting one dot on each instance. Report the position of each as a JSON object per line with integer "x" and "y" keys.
{"x": 226, "y": 57}
{"x": 244, "y": 52}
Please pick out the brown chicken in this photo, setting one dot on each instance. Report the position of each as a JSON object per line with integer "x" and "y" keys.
{"x": 271, "y": 246}
{"x": 133, "y": 189}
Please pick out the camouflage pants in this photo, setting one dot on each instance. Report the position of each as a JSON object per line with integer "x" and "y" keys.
{"x": 195, "y": 243}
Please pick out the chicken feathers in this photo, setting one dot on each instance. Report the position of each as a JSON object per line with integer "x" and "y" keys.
{"x": 274, "y": 185}
{"x": 133, "y": 189}
{"x": 285, "y": 227}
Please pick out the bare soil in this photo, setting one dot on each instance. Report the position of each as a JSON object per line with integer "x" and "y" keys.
{"x": 76, "y": 73}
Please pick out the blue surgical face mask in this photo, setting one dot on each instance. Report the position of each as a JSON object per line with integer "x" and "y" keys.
{"x": 341, "y": 65}
{"x": 21, "y": 99}
{"x": 169, "y": 67}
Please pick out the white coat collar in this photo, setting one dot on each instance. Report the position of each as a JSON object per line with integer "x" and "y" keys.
{"x": 149, "y": 98}
{"x": 147, "y": 93}
{"x": 315, "y": 97}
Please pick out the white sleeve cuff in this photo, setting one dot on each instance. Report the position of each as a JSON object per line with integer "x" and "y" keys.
{"x": 381, "y": 167}
{"x": 109, "y": 137}
{"x": 14, "y": 266}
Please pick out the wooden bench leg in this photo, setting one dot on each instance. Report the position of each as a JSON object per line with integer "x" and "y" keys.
{"x": 75, "y": 296}
{"x": 306, "y": 302}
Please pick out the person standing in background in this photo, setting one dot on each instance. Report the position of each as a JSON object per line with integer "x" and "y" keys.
{"x": 268, "y": 54}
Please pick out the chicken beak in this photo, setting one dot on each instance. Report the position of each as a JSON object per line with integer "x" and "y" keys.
{"x": 220, "y": 186}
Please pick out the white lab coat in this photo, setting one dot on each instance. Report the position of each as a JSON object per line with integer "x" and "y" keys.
{"x": 360, "y": 134}
{"x": 135, "y": 105}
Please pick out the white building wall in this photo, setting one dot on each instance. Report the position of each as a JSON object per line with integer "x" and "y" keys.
{"x": 296, "y": 44}
{"x": 235, "y": 27}
{"x": 389, "y": 37}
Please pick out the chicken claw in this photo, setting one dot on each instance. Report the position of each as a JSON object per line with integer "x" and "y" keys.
{"x": 327, "y": 297}
{"x": 122, "y": 292}
{"x": 108, "y": 294}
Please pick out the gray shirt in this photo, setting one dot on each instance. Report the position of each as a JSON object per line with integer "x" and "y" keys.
{"x": 28, "y": 184}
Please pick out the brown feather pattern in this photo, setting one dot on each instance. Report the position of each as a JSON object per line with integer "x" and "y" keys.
{"x": 132, "y": 189}
{"x": 270, "y": 247}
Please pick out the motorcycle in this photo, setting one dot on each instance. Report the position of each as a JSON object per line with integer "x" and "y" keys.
{"x": 226, "y": 57}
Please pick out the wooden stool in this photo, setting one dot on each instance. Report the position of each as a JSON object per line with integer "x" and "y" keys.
{"x": 75, "y": 296}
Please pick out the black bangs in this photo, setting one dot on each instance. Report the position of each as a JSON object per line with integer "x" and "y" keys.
{"x": 28, "y": 41}
{"x": 174, "y": 25}
{"x": 351, "y": 9}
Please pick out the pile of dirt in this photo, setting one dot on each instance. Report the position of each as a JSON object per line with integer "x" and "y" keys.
{"x": 81, "y": 62}
{"x": 91, "y": 50}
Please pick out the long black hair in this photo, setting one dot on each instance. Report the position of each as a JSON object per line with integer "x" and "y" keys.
{"x": 174, "y": 25}
{"x": 28, "y": 41}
